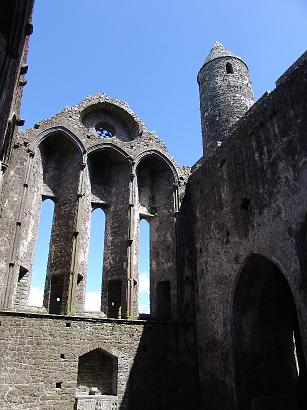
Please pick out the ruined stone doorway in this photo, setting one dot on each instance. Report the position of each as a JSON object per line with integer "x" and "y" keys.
{"x": 268, "y": 354}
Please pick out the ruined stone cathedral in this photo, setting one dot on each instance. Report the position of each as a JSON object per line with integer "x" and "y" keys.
{"x": 227, "y": 328}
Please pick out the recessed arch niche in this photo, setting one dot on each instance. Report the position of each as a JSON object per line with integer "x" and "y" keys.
{"x": 109, "y": 120}
{"x": 268, "y": 355}
{"x": 97, "y": 369}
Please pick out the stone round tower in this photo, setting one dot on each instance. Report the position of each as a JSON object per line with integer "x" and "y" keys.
{"x": 225, "y": 94}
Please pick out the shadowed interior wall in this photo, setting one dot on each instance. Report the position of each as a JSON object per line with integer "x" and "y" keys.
{"x": 15, "y": 27}
{"x": 249, "y": 197}
{"x": 301, "y": 244}
{"x": 188, "y": 257}
{"x": 267, "y": 340}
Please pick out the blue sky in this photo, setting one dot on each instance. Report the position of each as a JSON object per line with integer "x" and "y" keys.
{"x": 148, "y": 53}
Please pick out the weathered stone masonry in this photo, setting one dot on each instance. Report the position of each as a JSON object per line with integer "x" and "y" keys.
{"x": 130, "y": 176}
{"x": 249, "y": 205}
{"x": 43, "y": 352}
{"x": 63, "y": 160}
{"x": 227, "y": 324}
{"x": 15, "y": 29}
{"x": 225, "y": 94}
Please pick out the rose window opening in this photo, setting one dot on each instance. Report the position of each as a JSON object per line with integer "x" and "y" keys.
{"x": 105, "y": 130}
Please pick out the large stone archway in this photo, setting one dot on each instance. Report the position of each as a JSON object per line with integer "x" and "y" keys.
{"x": 268, "y": 354}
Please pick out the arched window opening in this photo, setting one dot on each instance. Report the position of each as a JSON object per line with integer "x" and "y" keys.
{"x": 155, "y": 188}
{"x": 39, "y": 269}
{"x": 58, "y": 163}
{"x": 105, "y": 130}
{"x": 268, "y": 351}
{"x": 95, "y": 262}
{"x": 97, "y": 374}
{"x": 110, "y": 173}
{"x": 229, "y": 68}
{"x": 144, "y": 268}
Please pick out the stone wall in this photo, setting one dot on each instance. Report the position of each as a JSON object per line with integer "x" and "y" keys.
{"x": 66, "y": 161}
{"x": 249, "y": 198}
{"x": 15, "y": 28}
{"x": 40, "y": 354}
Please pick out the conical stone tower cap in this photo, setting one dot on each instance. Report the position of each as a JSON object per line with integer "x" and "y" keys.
{"x": 218, "y": 51}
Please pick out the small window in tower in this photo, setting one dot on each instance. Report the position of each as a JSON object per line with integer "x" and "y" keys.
{"x": 105, "y": 130}
{"x": 229, "y": 68}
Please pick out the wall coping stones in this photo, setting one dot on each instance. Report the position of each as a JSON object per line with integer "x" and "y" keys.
{"x": 301, "y": 60}
{"x": 31, "y": 315}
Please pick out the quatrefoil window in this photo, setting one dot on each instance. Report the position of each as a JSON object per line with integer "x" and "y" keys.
{"x": 105, "y": 130}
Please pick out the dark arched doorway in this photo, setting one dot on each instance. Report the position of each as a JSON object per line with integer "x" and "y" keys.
{"x": 269, "y": 362}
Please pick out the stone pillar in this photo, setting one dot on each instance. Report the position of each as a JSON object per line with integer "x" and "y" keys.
{"x": 12, "y": 271}
{"x": 73, "y": 278}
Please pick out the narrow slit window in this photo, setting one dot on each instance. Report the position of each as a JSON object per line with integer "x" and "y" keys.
{"x": 95, "y": 262}
{"x": 39, "y": 269}
{"x": 144, "y": 268}
{"x": 229, "y": 68}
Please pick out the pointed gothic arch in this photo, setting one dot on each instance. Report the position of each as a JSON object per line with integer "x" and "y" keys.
{"x": 59, "y": 130}
{"x": 156, "y": 179}
{"x": 157, "y": 156}
{"x": 109, "y": 169}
